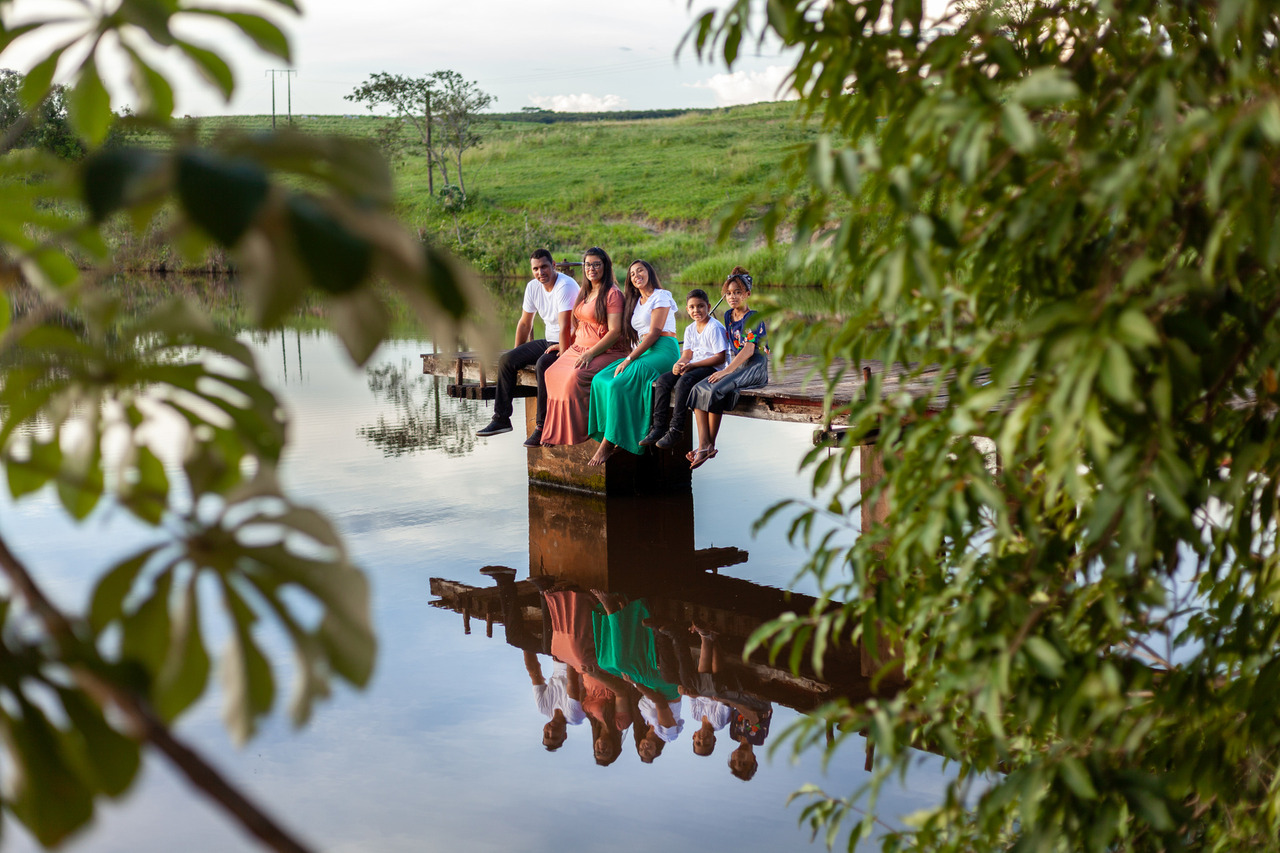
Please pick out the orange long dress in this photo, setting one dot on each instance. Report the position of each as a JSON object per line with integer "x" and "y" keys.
{"x": 569, "y": 386}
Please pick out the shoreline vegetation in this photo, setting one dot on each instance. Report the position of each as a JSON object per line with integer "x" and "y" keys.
{"x": 646, "y": 184}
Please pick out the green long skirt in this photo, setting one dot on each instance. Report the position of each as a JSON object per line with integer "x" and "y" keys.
{"x": 625, "y": 647}
{"x": 622, "y": 406}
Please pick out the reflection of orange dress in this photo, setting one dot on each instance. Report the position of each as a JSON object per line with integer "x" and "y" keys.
{"x": 568, "y": 386}
{"x": 572, "y": 640}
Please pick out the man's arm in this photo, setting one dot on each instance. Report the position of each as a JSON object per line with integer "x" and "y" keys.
{"x": 524, "y": 329}
{"x": 534, "y": 668}
{"x": 566, "y": 332}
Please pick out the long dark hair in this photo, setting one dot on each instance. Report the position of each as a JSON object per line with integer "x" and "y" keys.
{"x": 606, "y": 282}
{"x": 632, "y": 294}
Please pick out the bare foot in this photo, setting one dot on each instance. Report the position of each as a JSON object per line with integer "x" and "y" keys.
{"x": 603, "y": 453}
{"x": 703, "y": 630}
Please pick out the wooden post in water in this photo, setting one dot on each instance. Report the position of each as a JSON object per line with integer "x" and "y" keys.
{"x": 656, "y": 471}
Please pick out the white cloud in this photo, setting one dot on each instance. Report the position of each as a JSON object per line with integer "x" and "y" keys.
{"x": 747, "y": 87}
{"x": 583, "y": 103}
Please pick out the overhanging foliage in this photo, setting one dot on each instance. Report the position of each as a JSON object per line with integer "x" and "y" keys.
{"x": 1085, "y": 201}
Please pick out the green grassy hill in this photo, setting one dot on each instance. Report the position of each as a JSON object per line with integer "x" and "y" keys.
{"x": 652, "y": 188}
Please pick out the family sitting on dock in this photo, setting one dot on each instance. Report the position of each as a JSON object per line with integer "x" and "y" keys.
{"x": 609, "y": 368}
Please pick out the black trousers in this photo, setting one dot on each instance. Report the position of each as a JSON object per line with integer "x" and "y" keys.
{"x": 533, "y": 352}
{"x": 669, "y": 389}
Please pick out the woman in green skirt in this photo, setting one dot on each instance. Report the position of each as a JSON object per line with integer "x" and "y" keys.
{"x": 622, "y": 394}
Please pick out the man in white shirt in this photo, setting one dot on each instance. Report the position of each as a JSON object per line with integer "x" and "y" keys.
{"x": 550, "y": 295}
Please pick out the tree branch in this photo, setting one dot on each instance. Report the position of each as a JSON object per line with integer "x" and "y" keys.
{"x": 144, "y": 722}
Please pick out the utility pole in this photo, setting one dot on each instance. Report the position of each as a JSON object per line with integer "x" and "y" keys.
{"x": 288, "y": 73}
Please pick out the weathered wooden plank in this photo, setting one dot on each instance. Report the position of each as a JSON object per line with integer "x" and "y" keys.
{"x": 795, "y": 393}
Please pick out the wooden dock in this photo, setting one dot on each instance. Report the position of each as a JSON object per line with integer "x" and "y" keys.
{"x": 795, "y": 393}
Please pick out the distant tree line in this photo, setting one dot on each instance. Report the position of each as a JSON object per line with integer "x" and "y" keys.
{"x": 45, "y": 127}
{"x": 541, "y": 116}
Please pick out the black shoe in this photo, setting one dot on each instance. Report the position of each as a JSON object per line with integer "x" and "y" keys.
{"x": 535, "y": 438}
{"x": 497, "y": 426}
{"x": 669, "y": 440}
{"x": 655, "y": 432}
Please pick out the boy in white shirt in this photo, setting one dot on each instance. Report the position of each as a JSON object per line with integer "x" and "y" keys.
{"x": 706, "y": 345}
{"x": 550, "y": 295}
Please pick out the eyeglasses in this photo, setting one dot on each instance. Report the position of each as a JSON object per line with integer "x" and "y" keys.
{"x": 597, "y": 265}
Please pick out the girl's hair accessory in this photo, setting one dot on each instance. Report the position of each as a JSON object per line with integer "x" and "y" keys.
{"x": 743, "y": 277}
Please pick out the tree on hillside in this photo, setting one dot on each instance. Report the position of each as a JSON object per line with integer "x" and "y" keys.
{"x": 442, "y": 108}
{"x": 87, "y": 398}
{"x": 413, "y": 101}
{"x": 461, "y": 103}
{"x": 1076, "y": 217}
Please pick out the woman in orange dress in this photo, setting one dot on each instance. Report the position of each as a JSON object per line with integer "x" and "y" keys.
{"x": 597, "y": 343}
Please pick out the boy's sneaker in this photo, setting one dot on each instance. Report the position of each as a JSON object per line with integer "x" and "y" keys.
{"x": 655, "y": 432}
{"x": 672, "y": 436}
{"x": 497, "y": 426}
{"x": 535, "y": 438}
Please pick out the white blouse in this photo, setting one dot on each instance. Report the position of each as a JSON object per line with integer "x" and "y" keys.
{"x": 640, "y": 318}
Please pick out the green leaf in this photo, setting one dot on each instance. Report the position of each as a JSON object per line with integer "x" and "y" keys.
{"x": 221, "y": 196}
{"x": 45, "y": 794}
{"x": 1044, "y": 87}
{"x": 89, "y": 105}
{"x": 1116, "y": 373}
{"x": 1044, "y": 656}
{"x": 337, "y": 259}
{"x": 153, "y": 16}
{"x": 246, "y": 684}
{"x": 1073, "y": 772}
{"x": 1018, "y": 128}
{"x": 108, "y": 596}
{"x": 109, "y": 759}
{"x": 154, "y": 89}
{"x": 145, "y": 632}
{"x": 212, "y": 66}
{"x": 112, "y": 178}
{"x": 266, "y": 35}
{"x": 41, "y": 466}
{"x": 39, "y": 80}
{"x": 185, "y": 671}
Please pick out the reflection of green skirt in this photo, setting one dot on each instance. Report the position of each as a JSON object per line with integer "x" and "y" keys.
{"x": 625, "y": 647}
{"x": 622, "y": 406}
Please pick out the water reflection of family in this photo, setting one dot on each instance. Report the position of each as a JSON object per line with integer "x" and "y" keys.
{"x": 617, "y": 667}
{"x": 618, "y": 375}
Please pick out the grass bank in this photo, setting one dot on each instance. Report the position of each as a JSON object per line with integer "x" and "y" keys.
{"x": 641, "y": 187}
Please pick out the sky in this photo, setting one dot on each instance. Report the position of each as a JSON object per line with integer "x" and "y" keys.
{"x": 555, "y": 54}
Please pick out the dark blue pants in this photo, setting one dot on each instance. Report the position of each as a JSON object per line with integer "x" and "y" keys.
{"x": 533, "y": 352}
{"x": 670, "y": 389}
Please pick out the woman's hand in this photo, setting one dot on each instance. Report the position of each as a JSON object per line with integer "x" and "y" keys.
{"x": 584, "y": 360}
{"x": 622, "y": 366}
{"x": 717, "y": 376}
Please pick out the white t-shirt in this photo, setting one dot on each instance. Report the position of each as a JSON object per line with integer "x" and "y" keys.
{"x": 549, "y": 305}
{"x": 555, "y": 693}
{"x": 712, "y": 339}
{"x": 717, "y": 713}
{"x": 649, "y": 713}
{"x": 640, "y": 319}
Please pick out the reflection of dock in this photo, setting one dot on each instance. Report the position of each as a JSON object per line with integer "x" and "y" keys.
{"x": 644, "y": 547}
{"x": 732, "y": 607}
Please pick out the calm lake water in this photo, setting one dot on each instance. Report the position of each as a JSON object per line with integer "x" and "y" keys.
{"x": 443, "y": 751}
